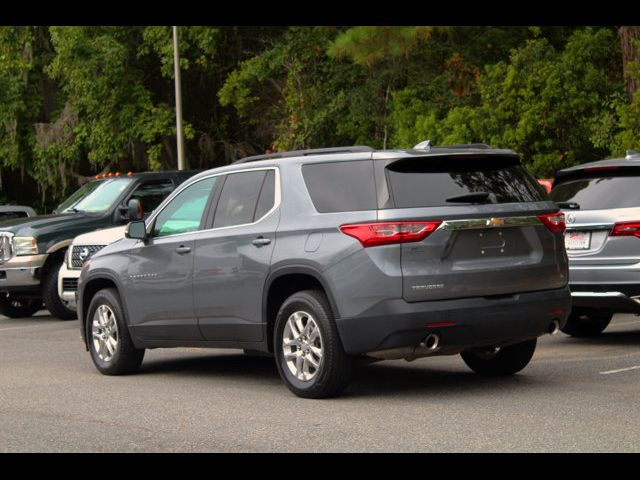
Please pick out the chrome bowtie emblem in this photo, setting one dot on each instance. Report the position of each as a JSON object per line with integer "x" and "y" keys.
{"x": 84, "y": 253}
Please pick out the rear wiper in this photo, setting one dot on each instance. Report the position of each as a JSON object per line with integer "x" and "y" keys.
{"x": 569, "y": 205}
{"x": 473, "y": 197}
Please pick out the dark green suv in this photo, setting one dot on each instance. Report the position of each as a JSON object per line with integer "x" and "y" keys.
{"x": 33, "y": 249}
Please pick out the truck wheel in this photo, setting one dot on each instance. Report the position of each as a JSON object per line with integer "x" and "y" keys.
{"x": 500, "y": 361}
{"x": 110, "y": 345}
{"x": 18, "y": 307}
{"x": 308, "y": 350}
{"x": 52, "y": 300}
{"x": 587, "y": 323}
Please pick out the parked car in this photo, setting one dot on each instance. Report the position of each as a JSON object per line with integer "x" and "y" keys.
{"x": 601, "y": 201}
{"x": 321, "y": 256}
{"x": 32, "y": 249}
{"x": 80, "y": 251}
{"x": 9, "y": 212}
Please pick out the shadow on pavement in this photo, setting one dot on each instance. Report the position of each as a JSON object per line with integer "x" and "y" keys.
{"x": 620, "y": 338}
{"x": 375, "y": 380}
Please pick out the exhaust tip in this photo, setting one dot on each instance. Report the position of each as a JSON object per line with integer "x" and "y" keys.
{"x": 554, "y": 327}
{"x": 431, "y": 342}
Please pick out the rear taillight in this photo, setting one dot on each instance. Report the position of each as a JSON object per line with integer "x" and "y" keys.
{"x": 626, "y": 229}
{"x": 554, "y": 221}
{"x": 385, "y": 233}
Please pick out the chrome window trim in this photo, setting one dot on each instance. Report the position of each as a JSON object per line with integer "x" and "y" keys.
{"x": 278, "y": 200}
{"x": 486, "y": 222}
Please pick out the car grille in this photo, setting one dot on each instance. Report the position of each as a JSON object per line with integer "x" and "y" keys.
{"x": 82, "y": 253}
{"x": 70, "y": 284}
{"x": 5, "y": 247}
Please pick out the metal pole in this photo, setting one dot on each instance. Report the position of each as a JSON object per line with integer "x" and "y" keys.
{"x": 176, "y": 66}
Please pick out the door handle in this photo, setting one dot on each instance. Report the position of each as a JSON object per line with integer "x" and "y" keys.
{"x": 182, "y": 249}
{"x": 261, "y": 241}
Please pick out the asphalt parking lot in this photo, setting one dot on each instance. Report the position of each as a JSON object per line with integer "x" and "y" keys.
{"x": 577, "y": 395}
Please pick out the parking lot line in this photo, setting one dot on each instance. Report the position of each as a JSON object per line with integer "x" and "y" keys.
{"x": 635, "y": 367}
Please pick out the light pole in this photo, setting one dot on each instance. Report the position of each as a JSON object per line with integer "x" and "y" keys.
{"x": 176, "y": 66}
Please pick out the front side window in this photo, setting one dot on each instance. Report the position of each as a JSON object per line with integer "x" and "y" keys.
{"x": 184, "y": 213}
{"x": 96, "y": 196}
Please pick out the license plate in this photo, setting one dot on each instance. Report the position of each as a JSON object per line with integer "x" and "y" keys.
{"x": 577, "y": 240}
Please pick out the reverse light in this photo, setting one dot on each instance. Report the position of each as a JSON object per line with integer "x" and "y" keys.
{"x": 386, "y": 233}
{"x": 554, "y": 221}
{"x": 25, "y": 246}
{"x": 626, "y": 229}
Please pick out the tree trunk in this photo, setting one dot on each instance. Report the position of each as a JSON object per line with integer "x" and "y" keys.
{"x": 629, "y": 38}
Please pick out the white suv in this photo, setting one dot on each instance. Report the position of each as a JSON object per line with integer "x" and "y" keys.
{"x": 82, "y": 248}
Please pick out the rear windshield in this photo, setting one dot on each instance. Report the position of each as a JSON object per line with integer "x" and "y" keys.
{"x": 599, "y": 193}
{"x": 430, "y": 182}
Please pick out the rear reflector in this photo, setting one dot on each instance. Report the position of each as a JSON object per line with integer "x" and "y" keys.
{"x": 554, "y": 221}
{"x": 440, "y": 324}
{"x": 386, "y": 233}
{"x": 626, "y": 229}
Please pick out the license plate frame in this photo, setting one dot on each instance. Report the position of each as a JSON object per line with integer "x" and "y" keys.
{"x": 577, "y": 240}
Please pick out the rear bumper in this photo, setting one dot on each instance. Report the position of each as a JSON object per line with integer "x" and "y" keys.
{"x": 476, "y": 321}
{"x": 622, "y": 298}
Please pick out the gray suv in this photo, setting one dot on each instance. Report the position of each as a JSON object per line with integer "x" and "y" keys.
{"x": 319, "y": 257}
{"x": 601, "y": 201}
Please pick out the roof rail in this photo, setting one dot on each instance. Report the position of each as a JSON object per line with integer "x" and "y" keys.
{"x": 427, "y": 145}
{"x": 304, "y": 153}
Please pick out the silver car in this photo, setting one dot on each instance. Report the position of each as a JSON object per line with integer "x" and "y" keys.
{"x": 601, "y": 201}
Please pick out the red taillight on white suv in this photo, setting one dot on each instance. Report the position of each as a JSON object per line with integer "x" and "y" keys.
{"x": 385, "y": 233}
{"x": 554, "y": 221}
{"x": 626, "y": 229}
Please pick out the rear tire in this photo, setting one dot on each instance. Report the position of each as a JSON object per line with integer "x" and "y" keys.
{"x": 506, "y": 361}
{"x": 52, "y": 300}
{"x": 587, "y": 323}
{"x": 316, "y": 365}
{"x": 18, "y": 307}
{"x": 110, "y": 345}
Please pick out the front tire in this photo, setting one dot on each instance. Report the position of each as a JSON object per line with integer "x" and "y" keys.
{"x": 503, "y": 361}
{"x": 587, "y": 323}
{"x": 110, "y": 345}
{"x": 308, "y": 351}
{"x": 18, "y": 307}
{"x": 52, "y": 300}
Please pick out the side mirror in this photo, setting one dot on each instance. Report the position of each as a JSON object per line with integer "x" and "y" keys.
{"x": 135, "y": 209}
{"x": 136, "y": 230}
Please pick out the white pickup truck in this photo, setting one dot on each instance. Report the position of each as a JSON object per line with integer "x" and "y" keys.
{"x": 82, "y": 248}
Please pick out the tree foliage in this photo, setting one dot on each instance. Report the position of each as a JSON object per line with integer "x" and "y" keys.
{"x": 75, "y": 101}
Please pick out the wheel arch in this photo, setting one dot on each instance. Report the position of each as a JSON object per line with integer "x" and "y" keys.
{"x": 284, "y": 282}
{"x": 92, "y": 286}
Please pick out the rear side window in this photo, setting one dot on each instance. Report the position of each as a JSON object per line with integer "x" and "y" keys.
{"x": 341, "y": 186}
{"x": 599, "y": 193}
{"x": 430, "y": 182}
{"x": 267, "y": 197}
{"x": 239, "y": 198}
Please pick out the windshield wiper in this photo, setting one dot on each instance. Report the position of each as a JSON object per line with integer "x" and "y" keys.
{"x": 569, "y": 205}
{"x": 473, "y": 197}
